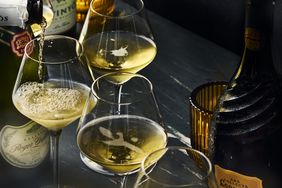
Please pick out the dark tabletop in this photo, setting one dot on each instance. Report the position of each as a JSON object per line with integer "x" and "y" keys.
{"x": 184, "y": 61}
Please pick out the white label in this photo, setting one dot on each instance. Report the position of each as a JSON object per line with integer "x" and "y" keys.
{"x": 13, "y": 13}
{"x": 24, "y": 146}
{"x": 13, "y": 2}
{"x": 64, "y": 16}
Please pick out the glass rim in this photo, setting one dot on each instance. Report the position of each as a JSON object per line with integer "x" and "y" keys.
{"x": 96, "y": 81}
{"x": 143, "y": 169}
{"x": 192, "y": 98}
{"x": 50, "y": 37}
{"x": 116, "y": 17}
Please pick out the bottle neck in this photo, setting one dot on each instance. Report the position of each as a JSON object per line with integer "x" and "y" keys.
{"x": 257, "y": 61}
{"x": 258, "y": 24}
{"x": 35, "y": 11}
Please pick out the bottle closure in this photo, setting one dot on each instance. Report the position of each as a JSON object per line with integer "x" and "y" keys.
{"x": 35, "y": 10}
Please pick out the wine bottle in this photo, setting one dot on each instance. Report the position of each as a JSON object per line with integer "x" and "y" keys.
{"x": 12, "y": 43}
{"x": 15, "y": 33}
{"x": 64, "y": 20}
{"x": 105, "y": 7}
{"x": 245, "y": 141}
{"x": 20, "y": 13}
{"x": 24, "y": 144}
{"x": 48, "y": 15}
{"x": 82, "y": 7}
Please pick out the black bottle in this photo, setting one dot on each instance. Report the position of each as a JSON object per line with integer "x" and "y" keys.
{"x": 246, "y": 140}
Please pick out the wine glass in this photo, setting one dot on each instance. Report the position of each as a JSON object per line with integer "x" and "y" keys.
{"x": 52, "y": 86}
{"x": 176, "y": 166}
{"x": 117, "y": 37}
{"x": 115, "y": 136}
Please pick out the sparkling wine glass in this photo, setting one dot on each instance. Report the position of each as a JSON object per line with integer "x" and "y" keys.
{"x": 176, "y": 166}
{"x": 52, "y": 86}
{"x": 117, "y": 37}
{"x": 115, "y": 136}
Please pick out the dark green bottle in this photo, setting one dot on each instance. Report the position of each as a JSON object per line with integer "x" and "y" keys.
{"x": 12, "y": 43}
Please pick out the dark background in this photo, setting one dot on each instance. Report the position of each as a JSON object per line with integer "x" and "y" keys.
{"x": 221, "y": 21}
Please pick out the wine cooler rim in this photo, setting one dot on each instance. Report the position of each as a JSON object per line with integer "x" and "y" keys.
{"x": 192, "y": 98}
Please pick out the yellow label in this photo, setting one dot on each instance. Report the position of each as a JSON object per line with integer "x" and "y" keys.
{"x": 227, "y": 178}
{"x": 252, "y": 39}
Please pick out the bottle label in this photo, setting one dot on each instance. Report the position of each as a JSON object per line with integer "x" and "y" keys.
{"x": 64, "y": 16}
{"x": 252, "y": 39}
{"x": 16, "y": 38}
{"x": 13, "y": 13}
{"x": 227, "y": 178}
{"x": 24, "y": 146}
{"x": 19, "y": 42}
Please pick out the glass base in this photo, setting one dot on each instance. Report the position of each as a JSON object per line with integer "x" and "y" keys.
{"x": 100, "y": 169}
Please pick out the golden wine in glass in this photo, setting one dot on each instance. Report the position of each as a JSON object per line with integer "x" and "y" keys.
{"x": 115, "y": 136}
{"x": 117, "y": 37}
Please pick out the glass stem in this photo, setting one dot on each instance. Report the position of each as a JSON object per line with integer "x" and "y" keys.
{"x": 54, "y": 144}
{"x": 118, "y": 97}
{"x": 123, "y": 182}
{"x": 118, "y": 89}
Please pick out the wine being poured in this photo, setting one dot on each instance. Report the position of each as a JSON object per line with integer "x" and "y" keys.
{"x": 55, "y": 96}
{"x": 48, "y": 15}
{"x": 50, "y": 104}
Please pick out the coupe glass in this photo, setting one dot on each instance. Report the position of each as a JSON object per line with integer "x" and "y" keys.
{"x": 173, "y": 167}
{"x": 116, "y": 135}
{"x": 117, "y": 37}
{"x": 51, "y": 87}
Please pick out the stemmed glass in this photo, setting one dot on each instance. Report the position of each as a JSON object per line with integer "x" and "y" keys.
{"x": 117, "y": 37}
{"x": 115, "y": 136}
{"x": 51, "y": 87}
{"x": 176, "y": 166}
